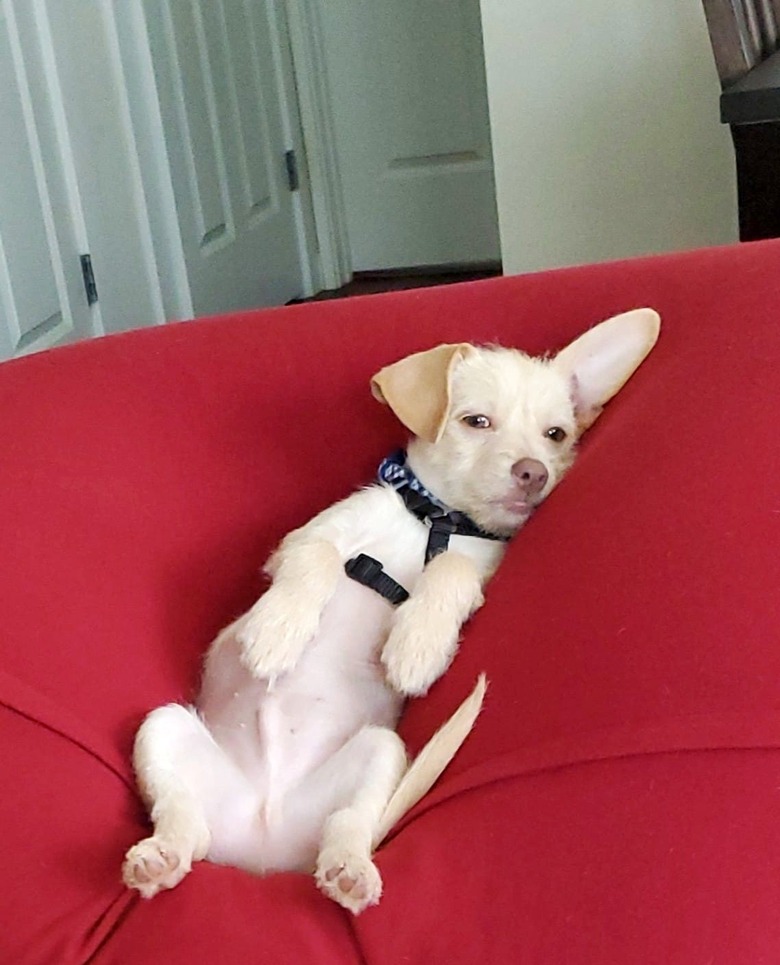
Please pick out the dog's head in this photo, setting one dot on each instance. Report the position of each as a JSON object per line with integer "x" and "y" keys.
{"x": 495, "y": 429}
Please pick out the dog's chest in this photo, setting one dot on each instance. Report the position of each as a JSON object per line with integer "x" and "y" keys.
{"x": 398, "y": 540}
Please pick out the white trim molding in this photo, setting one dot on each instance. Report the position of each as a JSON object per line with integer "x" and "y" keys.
{"x": 320, "y": 142}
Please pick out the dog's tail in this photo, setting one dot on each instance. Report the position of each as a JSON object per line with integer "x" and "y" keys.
{"x": 426, "y": 768}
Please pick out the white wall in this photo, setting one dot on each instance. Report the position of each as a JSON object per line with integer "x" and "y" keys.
{"x": 606, "y": 138}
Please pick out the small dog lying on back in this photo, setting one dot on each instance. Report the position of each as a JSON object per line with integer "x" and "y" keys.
{"x": 290, "y": 761}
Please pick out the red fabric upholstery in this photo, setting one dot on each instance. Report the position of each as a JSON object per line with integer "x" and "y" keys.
{"x": 618, "y": 801}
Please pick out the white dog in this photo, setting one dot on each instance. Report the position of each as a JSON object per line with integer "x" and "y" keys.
{"x": 291, "y": 760}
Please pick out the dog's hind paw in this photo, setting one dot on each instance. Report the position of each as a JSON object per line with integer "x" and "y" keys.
{"x": 154, "y": 865}
{"x": 351, "y": 880}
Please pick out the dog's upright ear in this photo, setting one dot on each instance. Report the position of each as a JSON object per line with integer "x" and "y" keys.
{"x": 417, "y": 388}
{"x": 600, "y": 362}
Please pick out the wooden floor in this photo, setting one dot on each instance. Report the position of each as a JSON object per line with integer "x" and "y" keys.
{"x": 371, "y": 282}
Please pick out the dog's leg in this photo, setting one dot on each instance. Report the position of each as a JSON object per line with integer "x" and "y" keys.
{"x": 426, "y": 628}
{"x": 342, "y": 803}
{"x": 276, "y": 631}
{"x": 172, "y": 749}
{"x": 345, "y": 871}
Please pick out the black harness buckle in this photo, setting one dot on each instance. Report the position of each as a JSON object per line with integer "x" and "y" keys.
{"x": 367, "y": 571}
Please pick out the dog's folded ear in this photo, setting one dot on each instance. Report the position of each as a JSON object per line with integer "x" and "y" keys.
{"x": 417, "y": 388}
{"x": 600, "y": 362}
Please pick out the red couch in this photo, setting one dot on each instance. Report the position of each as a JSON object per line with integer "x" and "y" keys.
{"x": 619, "y": 800}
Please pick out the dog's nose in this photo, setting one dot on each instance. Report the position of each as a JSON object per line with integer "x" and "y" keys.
{"x": 531, "y": 476}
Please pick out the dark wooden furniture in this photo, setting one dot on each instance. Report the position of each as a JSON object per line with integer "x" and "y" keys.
{"x": 745, "y": 37}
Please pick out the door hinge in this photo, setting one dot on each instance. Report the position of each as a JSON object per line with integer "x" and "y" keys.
{"x": 89, "y": 279}
{"x": 291, "y": 164}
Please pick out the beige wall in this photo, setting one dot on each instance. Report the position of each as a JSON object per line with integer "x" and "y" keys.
{"x": 606, "y": 137}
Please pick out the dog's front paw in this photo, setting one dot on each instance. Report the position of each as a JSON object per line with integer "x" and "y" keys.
{"x": 274, "y": 635}
{"x": 415, "y": 656}
{"x": 350, "y": 879}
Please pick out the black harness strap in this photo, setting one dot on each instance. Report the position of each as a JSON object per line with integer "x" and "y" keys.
{"x": 443, "y": 523}
{"x": 368, "y": 571}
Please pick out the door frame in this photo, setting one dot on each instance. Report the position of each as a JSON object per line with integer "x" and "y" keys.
{"x": 125, "y": 26}
{"x": 319, "y": 141}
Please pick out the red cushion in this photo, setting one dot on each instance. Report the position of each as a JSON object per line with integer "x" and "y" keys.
{"x": 618, "y": 800}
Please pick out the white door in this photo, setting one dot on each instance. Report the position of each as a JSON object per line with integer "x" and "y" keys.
{"x": 218, "y": 68}
{"x": 407, "y": 81}
{"x": 42, "y": 296}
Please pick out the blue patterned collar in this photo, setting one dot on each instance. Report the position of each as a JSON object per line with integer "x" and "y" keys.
{"x": 395, "y": 472}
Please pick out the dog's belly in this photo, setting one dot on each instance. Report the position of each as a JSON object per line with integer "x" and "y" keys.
{"x": 279, "y": 736}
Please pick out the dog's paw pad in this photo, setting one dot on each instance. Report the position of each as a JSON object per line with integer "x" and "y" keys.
{"x": 354, "y": 882}
{"x": 153, "y": 865}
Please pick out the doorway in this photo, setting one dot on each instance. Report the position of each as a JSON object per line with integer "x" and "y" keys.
{"x": 395, "y": 118}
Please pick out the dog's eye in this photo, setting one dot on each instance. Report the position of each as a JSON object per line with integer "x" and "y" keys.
{"x": 556, "y": 434}
{"x": 476, "y": 421}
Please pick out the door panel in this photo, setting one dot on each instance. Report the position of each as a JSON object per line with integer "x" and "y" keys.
{"x": 199, "y": 122}
{"x": 42, "y": 300}
{"x": 219, "y": 86}
{"x": 410, "y": 106}
{"x": 251, "y": 117}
